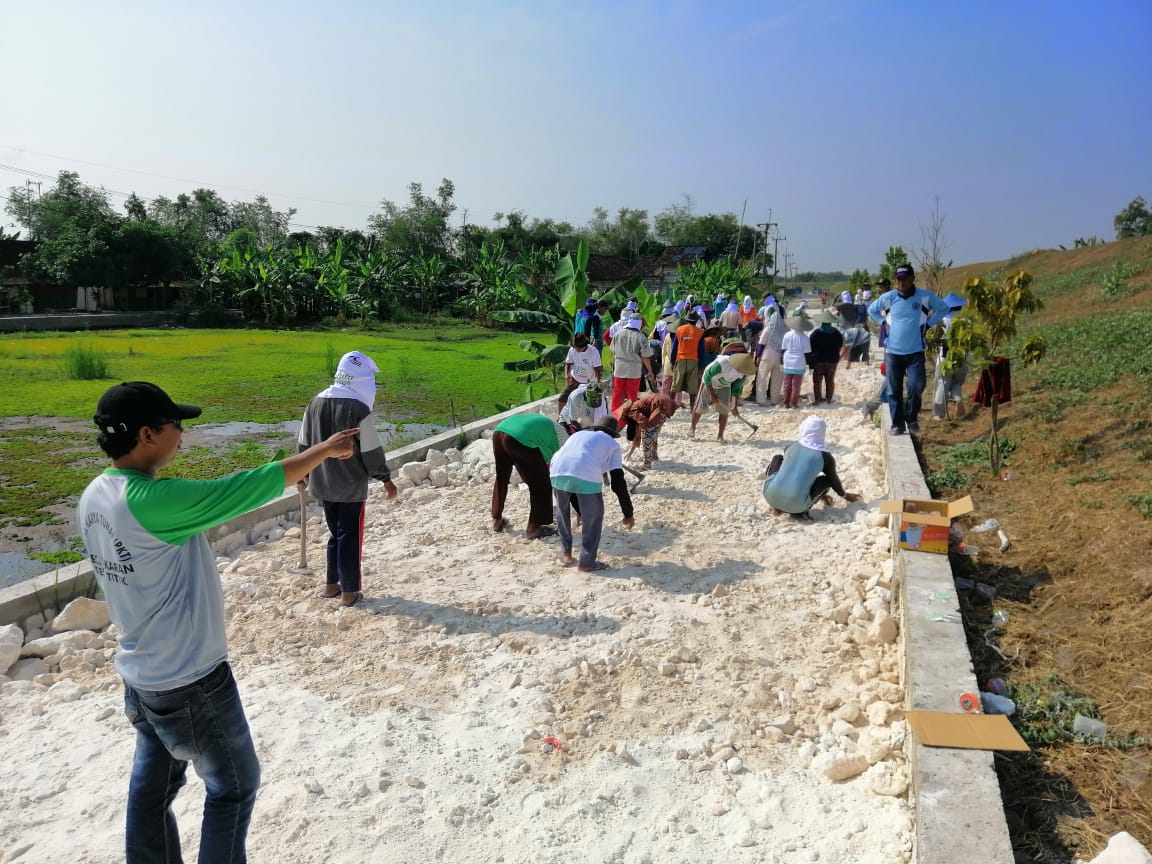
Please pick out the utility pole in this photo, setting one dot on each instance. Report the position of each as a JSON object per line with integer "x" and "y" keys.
{"x": 775, "y": 254}
{"x": 767, "y": 227}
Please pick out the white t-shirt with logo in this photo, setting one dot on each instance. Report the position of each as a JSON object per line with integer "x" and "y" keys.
{"x": 583, "y": 363}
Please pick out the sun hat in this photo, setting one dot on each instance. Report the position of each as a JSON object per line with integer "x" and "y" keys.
{"x": 126, "y": 407}
{"x": 801, "y": 323}
{"x": 635, "y": 321}
{"x": 823, "y": 317}
{"x": 609, "y": 425}
{"x": 955, "y": 301}
{"x": 884, "y": 283}
{"x": 865, "y": 295}
{"x": 743, "y": 363}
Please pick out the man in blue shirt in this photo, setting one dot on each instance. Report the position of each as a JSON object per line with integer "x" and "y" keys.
{"x": 909, "y": 311}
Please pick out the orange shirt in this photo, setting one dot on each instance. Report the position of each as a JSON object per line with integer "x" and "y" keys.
{"x": 688, "y": 342}
{"x": 749, "y": 315}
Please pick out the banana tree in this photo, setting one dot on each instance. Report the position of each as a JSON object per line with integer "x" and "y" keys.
{"x": 555, "y": 310}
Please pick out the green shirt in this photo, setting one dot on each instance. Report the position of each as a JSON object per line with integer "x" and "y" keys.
{"x": 532, "y": 430}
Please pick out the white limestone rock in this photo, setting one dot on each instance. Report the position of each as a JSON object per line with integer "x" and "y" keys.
{"x": 838, "y": 767}
{"x": 438, "y": 477}
{"x": 27, "y": 669}
{"x": 66, "y": 690}
{"x": 424, "y": 496}
{"x": 887, "y": 779}
{"x": 454, "y": 455}
{"x": 883, "y": 629}
{"x": 435, "y": 459}
{"x": 479, "y": 451}
{"x": 62, "y": 643}
{"x": 11, "y": 641}
{"x": 83, "y": 613}
{"x": 34, "y": 622}
{"x": 1123, "y": 848}
{"x": 417, "y": 472}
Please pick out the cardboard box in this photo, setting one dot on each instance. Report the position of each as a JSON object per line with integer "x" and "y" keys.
{"x": 965, "y": 731}
{"x": 924, "y": 524}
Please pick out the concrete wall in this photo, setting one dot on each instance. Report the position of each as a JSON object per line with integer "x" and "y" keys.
{"x": 52, "y": 590}
{"x": 959, "y": 812}
{"x": 84, "y": 321}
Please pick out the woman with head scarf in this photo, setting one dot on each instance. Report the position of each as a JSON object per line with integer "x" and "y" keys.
{"x": 643, "y": 418}
{"x": 730, "y": 320}
{"x": 802, "y": 475}
{"x": 950, "y": 384}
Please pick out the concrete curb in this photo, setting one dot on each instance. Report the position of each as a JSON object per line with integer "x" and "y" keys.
{"x": 53, "y": 590}
{"x": 959, "y": 811}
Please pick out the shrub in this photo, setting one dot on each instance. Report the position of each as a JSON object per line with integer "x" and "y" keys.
{"x": 82, "y": 363}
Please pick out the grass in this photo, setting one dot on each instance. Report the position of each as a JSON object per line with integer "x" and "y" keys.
{"x": 83, "y": 363}
{"x": 260, "y": 376}
{"x": 1096, "y": 351}
{"x": 266, "y": 376}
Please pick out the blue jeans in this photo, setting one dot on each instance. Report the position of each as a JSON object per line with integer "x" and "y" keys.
{"x": 202, "y": 723}
{"x": 905, "y": 370}
{"x": 346, "y": 526}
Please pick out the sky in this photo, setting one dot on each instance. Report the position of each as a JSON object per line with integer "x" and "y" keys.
{"x": 843, "y": 121}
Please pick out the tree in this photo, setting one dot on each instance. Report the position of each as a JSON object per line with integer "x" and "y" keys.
{"x": 1134, "y": 220}
{"x": 420, "y": 229}
{"x": 74, "y": 226}
{"x": 858, "y": 278}
{"x": 144, "y": 253}
{"x": 930, "y": 257}
{"x": 623, "y": 236}
{"x": 722, "y": 233}
{"x": 705, "y": 279}
{"x": 555, "y": 308}
{"x": 985, "y": 327}
{"x": 893, "y": 258}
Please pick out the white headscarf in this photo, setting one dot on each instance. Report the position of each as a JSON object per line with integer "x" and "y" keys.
{"x": 747, "y": 303}
{"x": 355, "y": 379}
{"x": 812, "y": 432}
{"x": 845, "y": 297}
{"x": 635, "y": 321}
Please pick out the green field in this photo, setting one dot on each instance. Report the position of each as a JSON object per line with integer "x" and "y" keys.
{"x": 266, "y": 376}
{"x": 427, "y": 375}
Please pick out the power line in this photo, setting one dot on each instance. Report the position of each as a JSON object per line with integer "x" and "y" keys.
{"x": 197, "y": 183}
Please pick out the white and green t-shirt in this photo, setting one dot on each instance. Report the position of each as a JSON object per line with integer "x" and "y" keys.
{"x": 144, "y": 537}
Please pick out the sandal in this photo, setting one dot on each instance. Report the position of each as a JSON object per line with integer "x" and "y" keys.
{"x": 592, "y": 568}
{"x": 499, "y": 525}
{"x": 351, "y": 598}
{"x": 324, "y": 595}
{"x": 544, "y": 531}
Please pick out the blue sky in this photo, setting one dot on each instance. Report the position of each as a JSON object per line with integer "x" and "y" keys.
{"x": 1032, "y": 121}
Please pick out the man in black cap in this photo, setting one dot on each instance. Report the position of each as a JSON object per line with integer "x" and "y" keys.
{"x": 577, "y": 471}
{"x": 908, "y": 311}
{"x": 145, "y": 538}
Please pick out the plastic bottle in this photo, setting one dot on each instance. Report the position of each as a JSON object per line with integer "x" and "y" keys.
{"x": 993, "y": 704}
{"x": 998, "y": 686}
{"x": 968, "y": 549}
{"x": 1089, "y": 727}
{"x": 986, "y": 525}
{"x": 1008, "y": 475}
{"x": 999, "y": 617}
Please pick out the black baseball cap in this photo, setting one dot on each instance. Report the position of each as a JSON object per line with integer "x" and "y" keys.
{"x": 132, "y": 404}
{"x": 904, "y": 270}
